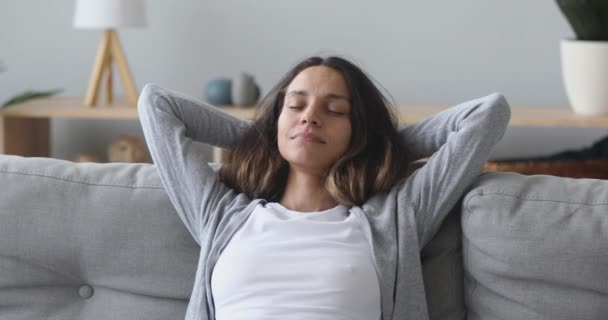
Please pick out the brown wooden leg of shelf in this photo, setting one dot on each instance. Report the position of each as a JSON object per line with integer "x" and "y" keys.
{"x": 26, "y": 137}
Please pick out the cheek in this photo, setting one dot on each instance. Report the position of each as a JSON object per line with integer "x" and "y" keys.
{"x": 346, "y": 136}
{"x": 282, "y": 131}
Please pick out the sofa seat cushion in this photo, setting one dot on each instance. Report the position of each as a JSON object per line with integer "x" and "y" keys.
{"x": 90, "y": 241}
{"x": 536, "y": 247}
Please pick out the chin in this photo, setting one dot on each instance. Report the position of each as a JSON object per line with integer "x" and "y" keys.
{"x": 308, "y": 160}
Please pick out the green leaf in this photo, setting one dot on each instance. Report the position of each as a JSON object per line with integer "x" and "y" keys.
{"x": 29, "y": 95}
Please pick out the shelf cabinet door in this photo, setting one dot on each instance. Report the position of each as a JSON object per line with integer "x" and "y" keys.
{"x": 27, "y": 137}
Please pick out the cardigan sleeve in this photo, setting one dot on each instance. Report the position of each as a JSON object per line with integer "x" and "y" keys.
{"x": 459, "y": 141}
{"x": 176, "y": 128}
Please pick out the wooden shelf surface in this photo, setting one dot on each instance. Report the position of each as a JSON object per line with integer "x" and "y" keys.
{"x": 525, "y": 116}
{"x": 73, "y": 107}
{"x": 69, "y": 107}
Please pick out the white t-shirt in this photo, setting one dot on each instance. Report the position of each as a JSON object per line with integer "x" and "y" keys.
{"x": 288, "y": 265}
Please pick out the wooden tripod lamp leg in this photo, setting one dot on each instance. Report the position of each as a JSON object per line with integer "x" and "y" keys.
{"x": 103, "y": 52}
{"x": 109, "y": 85}
{"x": 123, "y": 68}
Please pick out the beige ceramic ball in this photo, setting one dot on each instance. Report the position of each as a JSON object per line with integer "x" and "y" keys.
{"x": 84, "y": 157}
{"x": 127, "y": 148}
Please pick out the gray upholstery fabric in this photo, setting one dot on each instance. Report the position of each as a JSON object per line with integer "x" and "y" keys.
{"x": 442, "y": 267}
{"x": 102, "y": 241}
{"x": 536, "y": 248}
{"x": 90, "y": 241}
{"x": 443, "y": 273}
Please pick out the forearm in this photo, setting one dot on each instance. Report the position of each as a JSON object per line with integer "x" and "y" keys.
{"x": 202, "y": 122}
{"x": 427, "y": 136}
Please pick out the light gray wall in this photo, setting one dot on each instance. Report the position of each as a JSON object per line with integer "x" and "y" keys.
{"x": 426, "y": 52}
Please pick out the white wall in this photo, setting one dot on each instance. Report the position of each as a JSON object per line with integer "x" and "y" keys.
{"x": 426, "y": 52}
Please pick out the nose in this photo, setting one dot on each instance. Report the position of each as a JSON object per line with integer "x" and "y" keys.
{"x": 311, "y": 115}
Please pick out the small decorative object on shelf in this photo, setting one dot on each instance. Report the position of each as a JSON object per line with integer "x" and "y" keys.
{"x": 127, "y": 148}
{"x": 84, "y": 157}
{"x": 245, "y": 91}
{"x": 218, "y": 91}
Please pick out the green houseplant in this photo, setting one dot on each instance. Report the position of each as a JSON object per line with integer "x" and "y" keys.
{"x": 29, "y": 95}
{"x": 584, "y": 59}
{"x": 588, "y": 18}
{"x": 26, "y": 95}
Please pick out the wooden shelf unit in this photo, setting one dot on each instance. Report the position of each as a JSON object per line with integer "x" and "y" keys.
{"x": 25, "y": 128}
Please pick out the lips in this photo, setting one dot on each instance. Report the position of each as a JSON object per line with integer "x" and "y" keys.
{"x": 309, "y": 136}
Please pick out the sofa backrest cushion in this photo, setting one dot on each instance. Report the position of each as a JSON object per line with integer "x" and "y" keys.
{"x": 90, "y": 241}
{"x": 442, "y": 266}
{"x": 443, "y": 272}
{"x": 102, "y": 241}
{"x": 536, "y": 247}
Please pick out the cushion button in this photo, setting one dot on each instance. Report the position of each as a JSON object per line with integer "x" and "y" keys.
{"x": 85, "y": 291}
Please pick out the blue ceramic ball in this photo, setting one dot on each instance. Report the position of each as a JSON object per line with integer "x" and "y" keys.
{"x": 218, "y": 91}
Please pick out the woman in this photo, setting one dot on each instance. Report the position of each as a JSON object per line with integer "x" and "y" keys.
{"x": 315, "y": 216}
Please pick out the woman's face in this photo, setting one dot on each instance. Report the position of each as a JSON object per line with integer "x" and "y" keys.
{"x": 314, "y": 127}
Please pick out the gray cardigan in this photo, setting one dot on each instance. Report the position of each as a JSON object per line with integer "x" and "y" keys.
{"x": 397, "y": 223}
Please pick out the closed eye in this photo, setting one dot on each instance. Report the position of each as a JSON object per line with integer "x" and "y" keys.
{"x": 335, "y": 111}
{"x": 329, "y": 110}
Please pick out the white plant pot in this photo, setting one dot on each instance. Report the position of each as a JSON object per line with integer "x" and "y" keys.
{"x": 585, "y": 74}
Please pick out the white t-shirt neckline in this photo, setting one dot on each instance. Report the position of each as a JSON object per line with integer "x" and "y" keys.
{"x": 337, "y": 213}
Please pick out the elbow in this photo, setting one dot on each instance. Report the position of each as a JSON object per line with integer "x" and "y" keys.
{"x": 499, "y": 109}
{"x": 147, "y": 96}
{"x": 152, "y": 98}
{"x": 499, "y": 101}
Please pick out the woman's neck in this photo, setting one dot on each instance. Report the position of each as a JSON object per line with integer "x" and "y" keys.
{"x": 306, "y": 192}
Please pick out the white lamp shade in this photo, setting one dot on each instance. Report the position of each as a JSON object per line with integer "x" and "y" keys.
{"x": 107, "y": 14}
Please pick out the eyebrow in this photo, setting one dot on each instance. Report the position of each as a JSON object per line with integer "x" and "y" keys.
{"x": 327, "y": 96}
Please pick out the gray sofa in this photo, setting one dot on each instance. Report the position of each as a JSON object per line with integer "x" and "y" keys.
{"x": 102, "y": 241}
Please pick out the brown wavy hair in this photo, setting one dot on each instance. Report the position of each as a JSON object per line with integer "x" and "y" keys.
{"x": 374, "y": 161}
